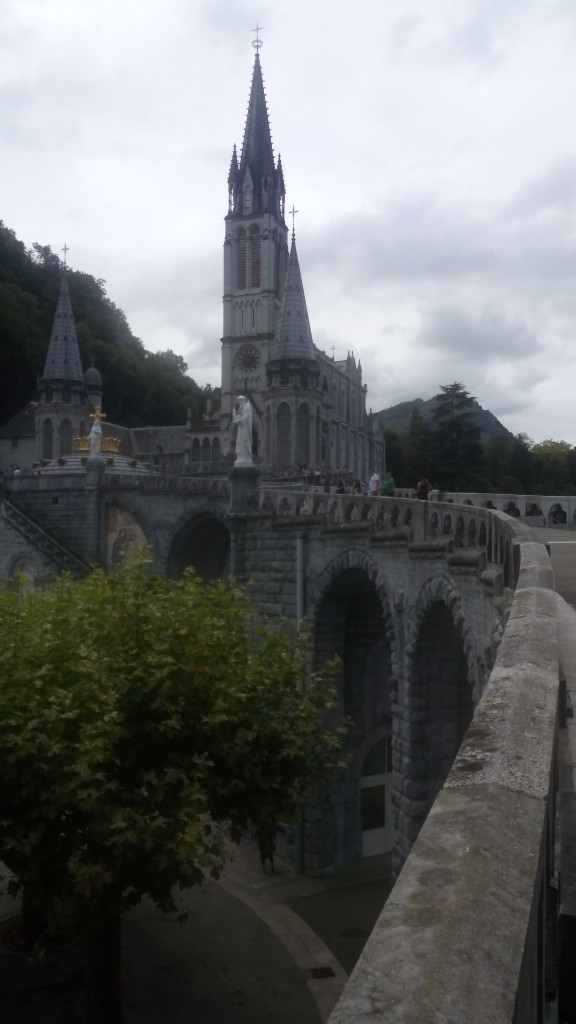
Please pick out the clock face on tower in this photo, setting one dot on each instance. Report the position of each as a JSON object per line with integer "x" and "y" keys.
{"x": 249, "y": 358}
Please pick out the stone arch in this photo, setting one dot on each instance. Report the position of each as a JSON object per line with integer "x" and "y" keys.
{"x": 351, "y": 616}
{"x": 472, "y": 533}
{"x": 441, "y": 687}
{"x": 447, "y": 524}
{"x": 434, "y": 524}
{"x": 556, "y": 514}
{"x": 533, "y": 509}
{"x": 511, "y": 509}
{"x": 201, "y": 540}
{"x": 459, "y": 541}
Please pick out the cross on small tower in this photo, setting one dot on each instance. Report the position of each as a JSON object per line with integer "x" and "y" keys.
{"x": 257, "y": 43}
{"x": 293, "y": 213}
{"x": 65, "y": 250}
{"x": 97, "y": 415}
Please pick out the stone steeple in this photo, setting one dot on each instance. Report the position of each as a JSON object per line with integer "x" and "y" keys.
{"x": 256, "y": 184}
{"x": 63, "y": 367}
{"x": 293, "y": 338}
{"x": 62, "y": 413}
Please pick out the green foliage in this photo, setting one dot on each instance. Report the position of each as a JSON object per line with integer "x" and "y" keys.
{"x": 552, "y": 462}
{"x": 140, "y": 388}
{"x": 144, "y": 722}
{"x": 418, "y": 449}
{"x": 456, "y": 449}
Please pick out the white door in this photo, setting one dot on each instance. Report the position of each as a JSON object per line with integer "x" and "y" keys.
{"x": 376, "y": 799}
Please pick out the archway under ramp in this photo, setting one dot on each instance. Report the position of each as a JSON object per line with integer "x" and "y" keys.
{"x": 356, "y": 820}
{"x": 203, "y": 544}
{"x": 440, "y": 707}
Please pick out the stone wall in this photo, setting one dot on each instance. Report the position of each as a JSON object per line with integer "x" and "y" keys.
{"x": 373, "y": 576}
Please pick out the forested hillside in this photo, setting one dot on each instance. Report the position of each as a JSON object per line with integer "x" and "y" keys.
{"x": 459, "y": 446}
{"x": 399, "y": 417}
{"x": 140, "y": 387}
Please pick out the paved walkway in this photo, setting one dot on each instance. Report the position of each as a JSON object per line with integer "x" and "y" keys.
{"x": 257, "y": 949}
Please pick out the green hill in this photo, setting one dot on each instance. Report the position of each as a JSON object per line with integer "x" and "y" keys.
{"x": 397, "y": 418}
{"x": 140, "y": 387}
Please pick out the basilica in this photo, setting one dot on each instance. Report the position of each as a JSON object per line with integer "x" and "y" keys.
{"x": 308, "y": 409}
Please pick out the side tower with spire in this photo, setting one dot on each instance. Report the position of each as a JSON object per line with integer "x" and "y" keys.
{"x": 65, "y": 394}
{"x": 255, "y": 262}
{"x": 296, "y": 409}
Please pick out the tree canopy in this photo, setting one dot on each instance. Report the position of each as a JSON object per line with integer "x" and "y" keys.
{"x": 144, "y": 723}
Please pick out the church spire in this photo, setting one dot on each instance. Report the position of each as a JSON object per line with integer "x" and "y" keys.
{"x": 293, "y": 338}
{"x": 255, "y": 183}
{"x": 63, "y": 366}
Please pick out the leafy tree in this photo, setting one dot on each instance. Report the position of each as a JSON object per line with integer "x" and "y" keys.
{"x": 144, "y": 723}
{"x": 551, "y": 461}
{"x": 456, "y": 448}
{"x": 418, "y": 449}
{"x": 395, "y": 456}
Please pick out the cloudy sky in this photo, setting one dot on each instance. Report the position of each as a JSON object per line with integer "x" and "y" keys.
{"x": 428, "y": 145}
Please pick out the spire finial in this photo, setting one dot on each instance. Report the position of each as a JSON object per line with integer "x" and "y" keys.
{"x": 293, "y": 213}
{"x": 65, "y": 250}
{"x": 257, "y": 43}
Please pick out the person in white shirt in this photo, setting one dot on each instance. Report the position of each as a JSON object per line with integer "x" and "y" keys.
{"x": 373, "y": 483}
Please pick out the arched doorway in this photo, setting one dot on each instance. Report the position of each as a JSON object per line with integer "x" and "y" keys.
{"x": 350, "y": 624}
{"x": 440, "y": 707}
{"x": 376, "y": 814}
{"x": 203, "y": 544}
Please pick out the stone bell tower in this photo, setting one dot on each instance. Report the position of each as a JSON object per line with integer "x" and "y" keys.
{"x": 255, "y": 263}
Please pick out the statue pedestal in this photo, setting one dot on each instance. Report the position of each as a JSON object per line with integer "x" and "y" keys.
{"x": 243, "y": 485}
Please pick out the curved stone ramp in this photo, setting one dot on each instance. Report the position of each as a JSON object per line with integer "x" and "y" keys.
{"x": 309, "y": 953}
{"x": 228, "y": 963}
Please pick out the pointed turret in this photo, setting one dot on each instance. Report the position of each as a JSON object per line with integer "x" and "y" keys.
{"x": 255, "y": 184}
{"x": 293, "y": 338}
{"x": 63, "y": 367}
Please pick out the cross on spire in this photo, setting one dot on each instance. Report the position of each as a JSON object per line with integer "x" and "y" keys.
{"x": 65, "y": 250}
{"x": 257, "y": 43}
{"x": 292, "y": 213}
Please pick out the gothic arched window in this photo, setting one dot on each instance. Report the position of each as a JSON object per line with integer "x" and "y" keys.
{"x": 284, "y": 434}
{"x": 65, "y": 437}
{"x": 47, "y": 439}
{"x": 248, "y": 258}
{"x": 303, "y": 438}
{"x": 241, "y": 246}
{"x": 255, "y": 258}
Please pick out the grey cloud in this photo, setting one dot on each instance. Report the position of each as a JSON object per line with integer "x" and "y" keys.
{"x": 486, "y": 335}
{"x": 553, "y": 191}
